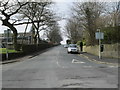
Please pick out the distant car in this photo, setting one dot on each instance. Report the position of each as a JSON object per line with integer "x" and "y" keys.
{"x": 65, "y": 46}
{"x": 72, "y": 48}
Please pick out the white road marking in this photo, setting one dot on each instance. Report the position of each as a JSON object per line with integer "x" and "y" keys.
{"x": 76, "y": 61}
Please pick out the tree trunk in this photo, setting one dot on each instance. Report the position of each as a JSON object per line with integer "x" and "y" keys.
{"x": 8, "y": 24}
{"x": 15, "y": 40}
{"x": 38, "y": 37}
{"x": 35, "y": 39}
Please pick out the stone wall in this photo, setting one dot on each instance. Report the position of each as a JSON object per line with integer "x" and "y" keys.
{"x": 110, "y": 50}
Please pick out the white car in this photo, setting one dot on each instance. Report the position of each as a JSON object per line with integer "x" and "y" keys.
{"x": 72, "y": 48}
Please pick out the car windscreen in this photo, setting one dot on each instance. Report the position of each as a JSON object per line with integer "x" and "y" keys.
{"x": 72, "y": 45}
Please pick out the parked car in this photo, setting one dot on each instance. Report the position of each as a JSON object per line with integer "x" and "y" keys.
{"x": 72, "y": 48}
{"x": 66, "y": 46}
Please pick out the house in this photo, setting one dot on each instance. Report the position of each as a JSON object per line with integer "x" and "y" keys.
{"x": 24, "y": 38}
{"x": 1, "y": 37}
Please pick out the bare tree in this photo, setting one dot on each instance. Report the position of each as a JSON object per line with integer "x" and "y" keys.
{"x": 37, "y": 13}
{"x": 74, "y": 30}
{"x": 40, "y": 15}
{"x": 8, "y": 10}
{"x": 111, "y": 15}
{"x": 54, "y": 34}
{"x": 114, "y": 13}
{"x": 88, "y": 13}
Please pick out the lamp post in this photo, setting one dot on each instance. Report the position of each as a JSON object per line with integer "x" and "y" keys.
{"x": 7, "y": 45}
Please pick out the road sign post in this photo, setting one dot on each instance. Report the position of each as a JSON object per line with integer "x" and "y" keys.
{"x": 99, "y": 35}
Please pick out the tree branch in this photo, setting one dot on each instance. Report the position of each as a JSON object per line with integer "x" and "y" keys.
{"x": 18, "y": 9}
{"x": 36, "y": 21}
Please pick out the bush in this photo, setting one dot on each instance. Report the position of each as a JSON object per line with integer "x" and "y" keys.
{"x": 33, "y": 48}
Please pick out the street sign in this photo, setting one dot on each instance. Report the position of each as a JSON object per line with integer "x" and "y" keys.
{"x": 99, "y": 35}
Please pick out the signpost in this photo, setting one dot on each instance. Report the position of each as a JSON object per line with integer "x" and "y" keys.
{"x": 99, "y": 35}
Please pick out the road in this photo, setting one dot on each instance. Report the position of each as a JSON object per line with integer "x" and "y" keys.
{"x": 57, "y": 69}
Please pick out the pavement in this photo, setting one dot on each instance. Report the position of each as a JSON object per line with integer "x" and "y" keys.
{"x": 103, "y": 60}
{"x": 15, "y": 60}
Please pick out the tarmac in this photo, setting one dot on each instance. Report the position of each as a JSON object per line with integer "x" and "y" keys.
{"x": 90, "y": 57}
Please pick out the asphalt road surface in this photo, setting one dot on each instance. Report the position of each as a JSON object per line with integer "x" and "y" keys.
{"x": 57, "y": 69}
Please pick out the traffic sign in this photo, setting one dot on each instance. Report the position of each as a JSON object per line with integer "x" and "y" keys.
{"x": 99, "y": 35}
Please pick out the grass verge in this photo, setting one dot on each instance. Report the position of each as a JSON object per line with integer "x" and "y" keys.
{"x": 4, "y": 51}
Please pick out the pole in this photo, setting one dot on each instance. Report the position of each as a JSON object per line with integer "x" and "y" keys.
{"x": 7, "y": 49}
{"x": 7, "y": 36}
{"x": 99, "y": 44}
